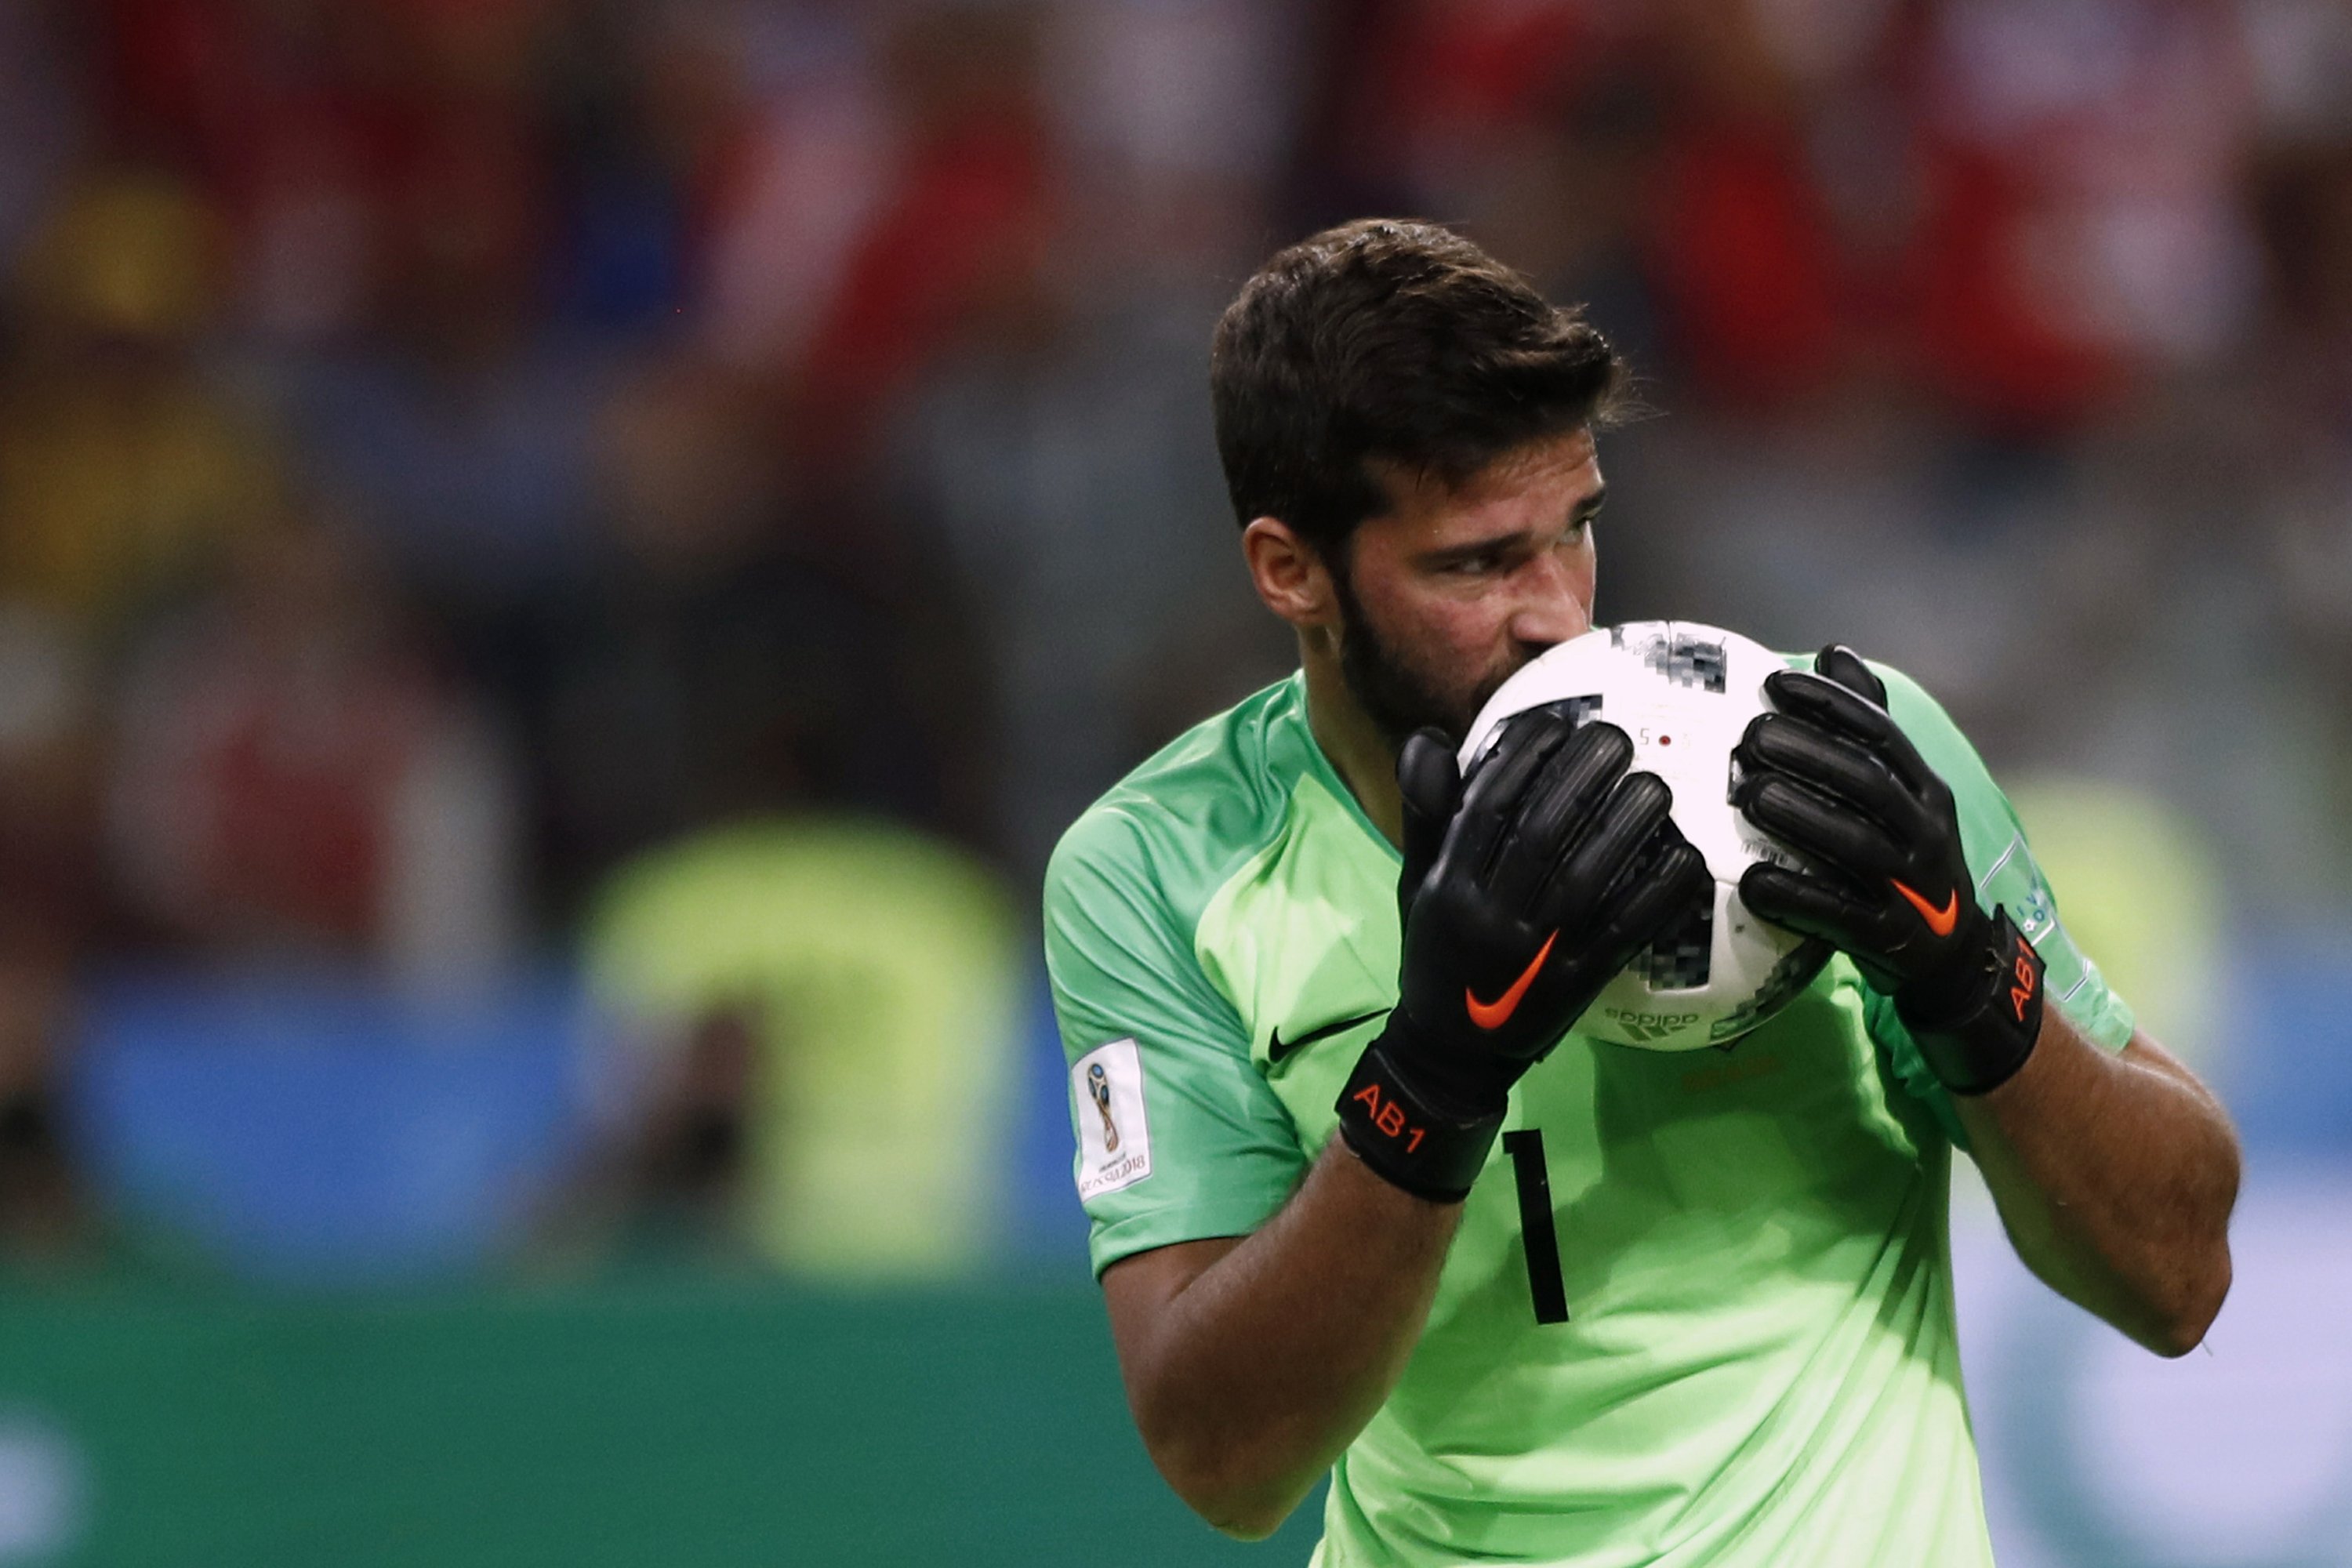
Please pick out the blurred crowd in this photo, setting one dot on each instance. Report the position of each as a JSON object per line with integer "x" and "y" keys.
{"x": 452, "y": 451}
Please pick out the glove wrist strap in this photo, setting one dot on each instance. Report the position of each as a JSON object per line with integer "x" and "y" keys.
{"x": 1982, "y": 1045}
{"x": 1408, "y": 1140}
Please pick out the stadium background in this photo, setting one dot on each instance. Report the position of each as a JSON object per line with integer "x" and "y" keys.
{"x": 562, "y": 564}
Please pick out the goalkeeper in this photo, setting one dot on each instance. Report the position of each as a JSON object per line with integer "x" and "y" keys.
{"x": 1360, "y": 1202}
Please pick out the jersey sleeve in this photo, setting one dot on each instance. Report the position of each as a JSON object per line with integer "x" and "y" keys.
{"x": 1179, "y": 1137}
{"x": 2006, "y": 875}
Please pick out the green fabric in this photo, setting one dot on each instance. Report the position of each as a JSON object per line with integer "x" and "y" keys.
{"x": 1760, "y": 1365}
{"x": 882, "y": 969}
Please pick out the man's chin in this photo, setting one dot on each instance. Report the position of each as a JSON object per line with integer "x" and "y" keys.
{"x": 1458, "y": 725}
{"x": 1487, "y": 690}
{"x": 1399, "y": 705}
{"x": 1397, "y": 719}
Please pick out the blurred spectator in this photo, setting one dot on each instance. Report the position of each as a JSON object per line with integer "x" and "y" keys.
{"x": 2302, "y": 200}
{"x": 294, "y": 782}
{"x": 1432, "y": 92}
{"x": 722, "y": 663}
{"x": 124, "y": 466}
{"x": 628, "y": 141}
{"x": 1067, "y": 460}
{"x": 829, "y": 1007}
{"x": 43, "y": 1212}
{"x": 780, "y": 127}
{"x": 454, "y": 424}
{"x": 960, "y": 227}
{"x": 463, "y": 454}
{"x": 2114, "y": 132}
{"x": 52, "y": 887}
{"x": 40, "y": 115}
{"x": 53, "y": 910}
{"x": 264, "y": 108}
{"x": 1176, "y": 122}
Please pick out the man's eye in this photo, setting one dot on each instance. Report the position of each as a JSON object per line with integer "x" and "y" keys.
{"x": 1478, "y": 565}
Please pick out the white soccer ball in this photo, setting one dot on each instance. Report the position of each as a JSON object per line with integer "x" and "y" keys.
{"x": 1684, "y": 693}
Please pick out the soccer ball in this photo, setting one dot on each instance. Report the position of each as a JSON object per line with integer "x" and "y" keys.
{"x": 1684, "y": 693}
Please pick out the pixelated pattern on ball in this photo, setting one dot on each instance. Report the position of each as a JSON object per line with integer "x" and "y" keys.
{"x": 1791, "y": 974}
{"x": 1578, "y": 710}
{"x": 1689, "y": 662}
{"x": 1683, "y": 954}
{"x": 1685, "y": 660}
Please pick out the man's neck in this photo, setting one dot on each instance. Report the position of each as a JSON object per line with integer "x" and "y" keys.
{"x": 1364, "y": 761}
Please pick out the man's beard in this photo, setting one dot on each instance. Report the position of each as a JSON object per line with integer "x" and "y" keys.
{"x": 1397, "y": 697}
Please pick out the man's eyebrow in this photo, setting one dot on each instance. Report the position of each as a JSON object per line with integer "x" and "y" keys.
{"x": 1453, "y": 555}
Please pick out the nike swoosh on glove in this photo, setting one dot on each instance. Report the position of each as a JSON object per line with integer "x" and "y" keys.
{"x": 1830, "y": 774}
{"x": 1522, "y": 894}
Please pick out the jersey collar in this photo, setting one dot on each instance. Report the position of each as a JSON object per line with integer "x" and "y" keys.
{"x": 1327, "y": 774}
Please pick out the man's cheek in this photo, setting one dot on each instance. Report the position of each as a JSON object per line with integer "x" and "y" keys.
{"x": 1483, "y": 690}
{"x": 1496, "y": 661}
{"x": 1487, "y": 686}
{"x": 1448, "y": 661}
{"x": 1470, "y": 679}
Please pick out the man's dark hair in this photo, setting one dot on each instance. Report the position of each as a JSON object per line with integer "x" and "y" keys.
{"x": 1394, "y": 342}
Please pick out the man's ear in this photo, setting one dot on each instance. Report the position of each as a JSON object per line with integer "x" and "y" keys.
{"x": 1290, "y": 575}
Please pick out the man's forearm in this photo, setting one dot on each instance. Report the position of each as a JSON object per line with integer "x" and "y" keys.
{"x": 1257, "y": 1371}
{"x": 2114, "y": 1176}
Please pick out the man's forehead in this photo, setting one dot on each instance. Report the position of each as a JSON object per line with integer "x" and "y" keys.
{"x": 1561, "y": 459}
{"x": 1528, "y": 486}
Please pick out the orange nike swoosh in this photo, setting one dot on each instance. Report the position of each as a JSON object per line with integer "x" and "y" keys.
{"x": 1495, "y": 1014}
{"x": 1940, "y": 921}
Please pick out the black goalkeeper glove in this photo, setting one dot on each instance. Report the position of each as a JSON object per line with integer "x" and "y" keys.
{"x": 1522, "y": 895}
{"x": 1830, "y": 774}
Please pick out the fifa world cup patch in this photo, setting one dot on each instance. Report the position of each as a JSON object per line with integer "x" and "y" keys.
{"x": 1114, "y": 1140}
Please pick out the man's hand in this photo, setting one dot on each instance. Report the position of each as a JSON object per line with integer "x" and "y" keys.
{"x": 1521, "y": 897}
{"x": 1830, "y": 774}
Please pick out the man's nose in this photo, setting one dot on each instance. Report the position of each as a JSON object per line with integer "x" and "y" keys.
{"x": 1554, "y": 608}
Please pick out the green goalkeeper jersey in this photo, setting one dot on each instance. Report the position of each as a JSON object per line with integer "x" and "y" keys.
{"x": 1735, "y": 1347}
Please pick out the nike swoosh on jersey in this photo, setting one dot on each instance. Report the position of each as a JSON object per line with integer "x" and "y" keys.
{"x": 1940, "y": 921}
{"x": 1276, "y": 1048}
{"x": 1495, "y": 1014}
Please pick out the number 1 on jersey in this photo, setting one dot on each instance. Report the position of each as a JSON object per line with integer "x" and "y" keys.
{"x": 1545, "y": 1283}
